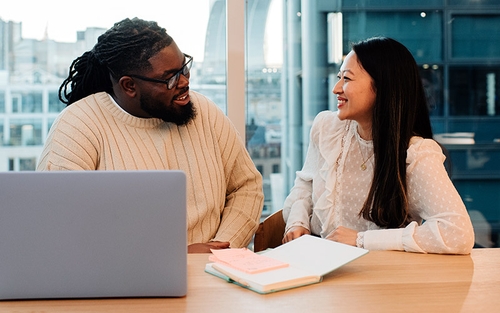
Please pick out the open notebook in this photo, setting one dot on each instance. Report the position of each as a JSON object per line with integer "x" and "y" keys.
{"x": 309, "y": 258}
{"x": 93, "y": 234}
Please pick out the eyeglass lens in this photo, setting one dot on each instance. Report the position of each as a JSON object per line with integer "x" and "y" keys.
{"x": 185, "y": 70}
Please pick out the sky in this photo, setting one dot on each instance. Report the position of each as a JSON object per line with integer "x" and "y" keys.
{"x": 186, "y": 21}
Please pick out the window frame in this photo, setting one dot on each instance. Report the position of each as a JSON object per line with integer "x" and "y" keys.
{"x": 235, "y": 64}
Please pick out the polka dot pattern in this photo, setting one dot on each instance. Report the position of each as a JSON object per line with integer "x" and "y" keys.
{"x": 332, "y": 173}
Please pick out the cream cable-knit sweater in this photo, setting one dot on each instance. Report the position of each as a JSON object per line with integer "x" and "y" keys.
{"x": 223, "y": 186}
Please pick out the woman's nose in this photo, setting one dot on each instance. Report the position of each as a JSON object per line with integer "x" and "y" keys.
{"x": 337, "y": 89}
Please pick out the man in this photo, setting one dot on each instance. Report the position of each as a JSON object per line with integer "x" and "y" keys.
{"x": 130, "y": 108}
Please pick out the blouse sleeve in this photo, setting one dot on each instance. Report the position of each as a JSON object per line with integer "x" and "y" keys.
{"x": 298, "y": 205}
{"x": 446, "y": 226}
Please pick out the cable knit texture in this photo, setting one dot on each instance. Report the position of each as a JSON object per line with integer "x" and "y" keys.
{"x": 224, "y": 189}
{"x": 331, "y": 188}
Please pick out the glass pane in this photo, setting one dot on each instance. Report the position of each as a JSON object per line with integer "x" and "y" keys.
{"x": 432, "y": 79}
{"x": 27, "y": 164}
{"x": 39, "y": 44}
{"x": 211, "y": 80}
{"x": 264, "y": 108}
{"x": 472, "y": 36}
{"x": 55, "y": 105}
{"x": 31, "y": 102}
{"x": 384, "y": 3}
{"x": 475, "y": 90}
{"x": 2, "y": 142}
{"x": 410, "y": 28}
{"x": 2, "y": 101}
{"x": 25, "y": 132}
{"x": 475, "y": 3}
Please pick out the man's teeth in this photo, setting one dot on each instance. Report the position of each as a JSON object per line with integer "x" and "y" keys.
{"x": 182, "y": 98}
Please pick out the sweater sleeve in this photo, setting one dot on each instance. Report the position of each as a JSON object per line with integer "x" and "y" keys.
{"x": 244, "y": 194}
{"x": 447, "y": 227}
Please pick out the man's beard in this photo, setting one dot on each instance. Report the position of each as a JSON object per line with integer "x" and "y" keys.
{"x": 179, "y": 115}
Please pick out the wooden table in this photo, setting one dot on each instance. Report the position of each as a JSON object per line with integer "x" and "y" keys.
{"x": 381, "y": 281}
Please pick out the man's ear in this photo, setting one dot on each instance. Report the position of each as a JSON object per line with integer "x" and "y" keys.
{"x": 127, "y": 84}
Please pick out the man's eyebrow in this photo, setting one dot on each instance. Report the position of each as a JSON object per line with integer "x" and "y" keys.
{"x": 173, "y": 71}
{"x": 169, "y": 72}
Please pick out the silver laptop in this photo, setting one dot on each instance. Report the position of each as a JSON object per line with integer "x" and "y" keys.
{"x": 92, "y": 234}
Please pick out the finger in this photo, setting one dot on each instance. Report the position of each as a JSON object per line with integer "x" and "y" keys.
{"x": 290, "y": 236}
{"x": 286, "y": 238}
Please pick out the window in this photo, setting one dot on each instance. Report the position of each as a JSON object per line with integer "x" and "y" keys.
{"x": 55, "y": 105}
{"x": 25, "y": 132}
{"x": 28, "y": 164}
{"x": 458, "y": 56}
{"x": 472, "y": 36}
{"x": 2, "y": 102}
{"x": 2, "y": 133}
{"x": 413, "y": 28}
{"x": 288, "y": 76}
{"x": 432, "y": 80}
{"x": 26, "y": 102}
{"x": 475, "y": 91}
{"x": 39, "y": 44}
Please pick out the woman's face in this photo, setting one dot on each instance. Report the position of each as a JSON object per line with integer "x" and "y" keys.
{"x": 355, "y": 93}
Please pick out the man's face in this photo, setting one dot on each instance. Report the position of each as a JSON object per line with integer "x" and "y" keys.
{"x": 156, "y": 100}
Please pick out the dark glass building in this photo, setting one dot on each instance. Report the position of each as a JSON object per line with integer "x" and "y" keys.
{"x": 456, "y": 43}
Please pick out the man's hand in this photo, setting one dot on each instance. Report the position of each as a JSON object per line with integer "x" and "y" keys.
{"x": 344, "y": 235}
{"x": 295, "y": 232}
{"x": 205, "y": 247}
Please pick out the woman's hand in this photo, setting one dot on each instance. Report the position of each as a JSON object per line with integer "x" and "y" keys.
{"x": 295, "y": 232}
{"x": 344, "y": 235}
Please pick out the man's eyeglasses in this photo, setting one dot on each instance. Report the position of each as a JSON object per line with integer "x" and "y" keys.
{"x": 172, "y": 81}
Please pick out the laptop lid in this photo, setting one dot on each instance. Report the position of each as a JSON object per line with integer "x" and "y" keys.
{"x": 93, "y": 234}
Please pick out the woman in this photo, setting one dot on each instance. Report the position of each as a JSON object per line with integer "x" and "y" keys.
{"x": 373, "y": 174}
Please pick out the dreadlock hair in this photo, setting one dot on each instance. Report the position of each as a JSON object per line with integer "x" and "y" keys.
{"x": 400, "y": 112}
{"x": 123, "y": 49}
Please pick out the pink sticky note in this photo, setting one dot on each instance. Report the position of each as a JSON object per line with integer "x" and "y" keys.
{"x": 246, "y": 260}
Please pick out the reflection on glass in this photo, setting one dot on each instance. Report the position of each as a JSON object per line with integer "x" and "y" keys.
{"x": 475, "y": 90}
{"x": 432, "y": 80}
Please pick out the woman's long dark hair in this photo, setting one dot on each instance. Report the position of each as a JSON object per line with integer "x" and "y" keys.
{"x": 400, "y": 112}
{"x": 123, "y": 49}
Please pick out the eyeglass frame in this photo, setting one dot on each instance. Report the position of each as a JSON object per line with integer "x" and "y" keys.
{"x": 174, "y": 80}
